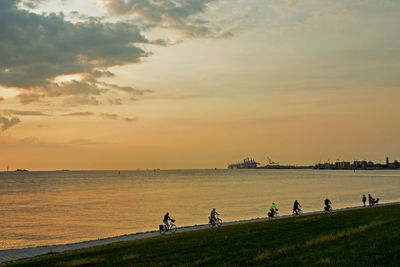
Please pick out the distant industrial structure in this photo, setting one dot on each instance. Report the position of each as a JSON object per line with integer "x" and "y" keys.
{"x": 358, "y": 165}
{"x": 250, "y": 163}
{"x": 247, "y": 163}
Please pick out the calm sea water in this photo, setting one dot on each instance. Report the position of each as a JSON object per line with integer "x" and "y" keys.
{"x": 46, "y": 208}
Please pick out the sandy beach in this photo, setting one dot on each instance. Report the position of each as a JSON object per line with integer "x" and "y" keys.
{"x": 16, "y": 254}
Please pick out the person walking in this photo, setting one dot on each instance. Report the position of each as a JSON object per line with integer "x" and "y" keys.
{"x": 370, "y": 200}
{"x": 364, "y": 199}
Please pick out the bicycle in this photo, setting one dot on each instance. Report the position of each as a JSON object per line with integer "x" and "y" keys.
{"x": 171, "y": 228}
{"x": 273, "y": 214}
{"x": 214, "y": 222}
{"x": 299, "y": 212}
{"x": 328, "y": 208}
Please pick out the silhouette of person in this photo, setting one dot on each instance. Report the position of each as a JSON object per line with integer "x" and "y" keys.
{"x": 364, "y": 199}
{"x": 369, "y": 199}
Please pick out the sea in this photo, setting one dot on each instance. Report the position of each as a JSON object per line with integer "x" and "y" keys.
{"x": 60, "y": 207}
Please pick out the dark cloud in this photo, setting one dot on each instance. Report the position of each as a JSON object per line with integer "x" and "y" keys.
{"x": 126, "y": 89}
{"x": 185, "y": 16}
{"x": 34, "y": 49}
{"x": 9, "y": 112}
{"x": 7, "y": 123}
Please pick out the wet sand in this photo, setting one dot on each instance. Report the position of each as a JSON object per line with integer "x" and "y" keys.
{"x": 16, "y": 254}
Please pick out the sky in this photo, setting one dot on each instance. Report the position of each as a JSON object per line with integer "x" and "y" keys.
{"x": 137, "y": 84}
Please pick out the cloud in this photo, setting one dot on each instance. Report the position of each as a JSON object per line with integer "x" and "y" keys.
{"x": 32, "y": 3}
{"x": 28, "y": 98}
{"x": 82, "y": 100}
{"x": 109, "y": 116}
{"x": 35, "y": 49}
{"x": 7, "y": 123}
{"x": 184, "y": 16}
{"x": 84, "y": 113}
{"x": 9, "y": 112}
{"x": 126, "y": 89}
{"x": 116, "y": 101}
{"x": 1, "y": 98}
{"x": 130, "y": 119}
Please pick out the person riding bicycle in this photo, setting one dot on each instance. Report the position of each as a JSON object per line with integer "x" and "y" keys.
{"x": 212, "y": 216}
{"x": 296, "y": 207}
{"x": 166, "y": 218}
{"x": 327, "y": 204}
{"x": 273, "y": 208}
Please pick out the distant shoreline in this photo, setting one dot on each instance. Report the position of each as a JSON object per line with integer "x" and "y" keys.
{"x": 214, "y": 169}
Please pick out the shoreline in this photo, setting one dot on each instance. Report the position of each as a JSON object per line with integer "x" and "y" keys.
{"x": 17, "y": 254}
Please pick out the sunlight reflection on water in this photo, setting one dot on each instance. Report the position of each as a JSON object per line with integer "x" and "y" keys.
{"x": 46, "y": 208}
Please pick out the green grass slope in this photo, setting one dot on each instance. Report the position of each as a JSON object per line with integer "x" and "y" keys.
{"x": 364, "y": 237}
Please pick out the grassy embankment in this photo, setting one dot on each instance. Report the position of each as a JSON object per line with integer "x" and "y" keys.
{"x": 369, "y": 236}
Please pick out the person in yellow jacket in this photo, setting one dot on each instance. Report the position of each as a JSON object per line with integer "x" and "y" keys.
{"x": 273, "y": 209}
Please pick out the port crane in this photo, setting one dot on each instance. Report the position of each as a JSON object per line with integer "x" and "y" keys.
{"x": 272, "y": 162}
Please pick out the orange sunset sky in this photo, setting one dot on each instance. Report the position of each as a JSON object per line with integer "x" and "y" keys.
{"x": 135, "y": 84}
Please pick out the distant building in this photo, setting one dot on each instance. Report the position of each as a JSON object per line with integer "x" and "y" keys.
{"x": 342, "y": 165}
{"x": 394, "y": 165}
{"x": 370, "y": 164}
{"x": 360, "y": 164}
{"x": 325, "y": 165}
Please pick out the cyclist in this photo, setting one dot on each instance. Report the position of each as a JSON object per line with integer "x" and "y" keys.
{"x": 212, "y": 216}
{"x": 273, "y": 209}
{"x": 327, "y": 204}
{"x": 296, "y": 207}
{"x": 166, "y": 218}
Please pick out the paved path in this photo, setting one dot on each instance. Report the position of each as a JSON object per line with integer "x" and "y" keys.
{"x": 16, "y": 254}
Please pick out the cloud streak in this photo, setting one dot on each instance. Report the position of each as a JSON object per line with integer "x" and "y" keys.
{"x": 84, "y": 113}
{"x": 9, "y": 112}
{"x": 107, "y": 116}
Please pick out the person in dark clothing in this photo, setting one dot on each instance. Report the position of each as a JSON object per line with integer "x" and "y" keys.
{"x": 370, "y": 200}
{"x": 327, "y": 204}
{"x": 166, "y": 218}
{"x": 364, "y": 199}
{"x": 296, "y": 207}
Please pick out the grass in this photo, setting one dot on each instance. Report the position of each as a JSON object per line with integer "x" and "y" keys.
{"x": 364, "y": 237}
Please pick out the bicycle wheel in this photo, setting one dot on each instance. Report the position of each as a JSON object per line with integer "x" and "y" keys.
{"x": 300, "y": 212}
{"x": 219, "y": 222}
{"x": 162, "y": 232}
{"x": 172, "y": 228}
{"x": 210, "y": 224}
